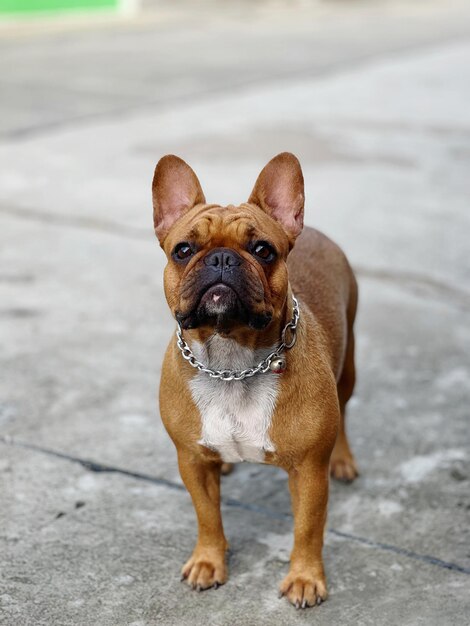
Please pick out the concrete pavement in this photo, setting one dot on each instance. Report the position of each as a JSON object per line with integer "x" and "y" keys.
{"x": 94, "y": 522}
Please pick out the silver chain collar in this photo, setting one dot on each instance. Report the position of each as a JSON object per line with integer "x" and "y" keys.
{"x": 263, "y": 367}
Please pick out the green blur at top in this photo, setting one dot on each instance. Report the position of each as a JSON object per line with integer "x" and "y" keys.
{"x": 41, "y": 6}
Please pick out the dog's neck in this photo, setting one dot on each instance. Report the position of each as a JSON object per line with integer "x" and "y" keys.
{"x": 242, "y": 347}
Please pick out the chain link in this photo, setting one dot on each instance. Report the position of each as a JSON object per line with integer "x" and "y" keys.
{"x": 261, "y": 368}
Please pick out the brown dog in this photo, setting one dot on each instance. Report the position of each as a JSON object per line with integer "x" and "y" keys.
{"x": 231, "y": 284}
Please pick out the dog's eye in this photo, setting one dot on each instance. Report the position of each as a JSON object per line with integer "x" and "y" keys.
{"x": 182, "y": 251}
{"x": 264, "y": 251}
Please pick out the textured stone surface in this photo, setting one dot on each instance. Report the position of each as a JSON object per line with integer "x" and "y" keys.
{"x": 382, "y": 126}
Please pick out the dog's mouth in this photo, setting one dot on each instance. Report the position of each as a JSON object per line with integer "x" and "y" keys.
{"x": 221, "y": 307}
{"x": 220, "y": 299}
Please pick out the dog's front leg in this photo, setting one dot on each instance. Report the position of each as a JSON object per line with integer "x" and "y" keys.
{"x": 206, "y": 567}
{"x": 305, "y": 584}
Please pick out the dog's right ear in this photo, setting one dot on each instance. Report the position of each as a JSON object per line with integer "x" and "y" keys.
{"x": 175, "y": 190}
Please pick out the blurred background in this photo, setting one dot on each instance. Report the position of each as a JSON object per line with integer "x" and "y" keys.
{"x": 373, "y": 97}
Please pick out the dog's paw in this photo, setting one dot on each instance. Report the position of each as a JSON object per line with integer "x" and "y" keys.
{"x": 205, "y": 569}
{"x": 303, "y": 590}
{"x": 344, "y": 468}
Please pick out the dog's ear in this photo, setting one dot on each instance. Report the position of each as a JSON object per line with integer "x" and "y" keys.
{"x": 175, "y": 190}
{"x": 279, "y": 191}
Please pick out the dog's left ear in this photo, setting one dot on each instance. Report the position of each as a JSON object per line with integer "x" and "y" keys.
{"x": 279, "y": 191}
{"x": 175, "y": 190}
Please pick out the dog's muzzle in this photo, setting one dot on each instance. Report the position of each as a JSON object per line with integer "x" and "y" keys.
{"x": 224, "y": 293}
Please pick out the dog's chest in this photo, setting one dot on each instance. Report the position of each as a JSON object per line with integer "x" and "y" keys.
{"x": 235, "y": 415}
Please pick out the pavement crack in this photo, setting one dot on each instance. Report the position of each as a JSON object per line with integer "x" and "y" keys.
{"x": 424, "y": 558}
{"x": 93, "y": 466}
{"x": 96, "y": 467}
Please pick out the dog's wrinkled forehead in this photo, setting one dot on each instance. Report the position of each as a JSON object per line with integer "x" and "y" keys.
{"x": 222, "y": 227}
{"x": 231, "y": 226}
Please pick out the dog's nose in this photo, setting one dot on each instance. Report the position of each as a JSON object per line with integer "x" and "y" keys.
{"x": 222, "y": 259}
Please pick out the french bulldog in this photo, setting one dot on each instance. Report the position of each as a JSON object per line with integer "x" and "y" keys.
{"x": 262, "y": 365}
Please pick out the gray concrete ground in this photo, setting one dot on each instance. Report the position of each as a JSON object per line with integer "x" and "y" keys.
{"x": 374, "y": 99}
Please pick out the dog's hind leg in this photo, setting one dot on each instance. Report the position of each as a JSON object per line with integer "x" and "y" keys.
{"x": 343, "y": 465}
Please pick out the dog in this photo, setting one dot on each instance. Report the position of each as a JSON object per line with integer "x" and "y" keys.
{"x": 262, "y": 365}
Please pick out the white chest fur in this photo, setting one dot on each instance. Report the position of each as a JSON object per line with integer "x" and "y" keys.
{"x": 236, "y": 415}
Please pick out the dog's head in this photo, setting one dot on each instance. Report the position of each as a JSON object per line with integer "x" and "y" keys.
{"x": 227, "y": 265}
